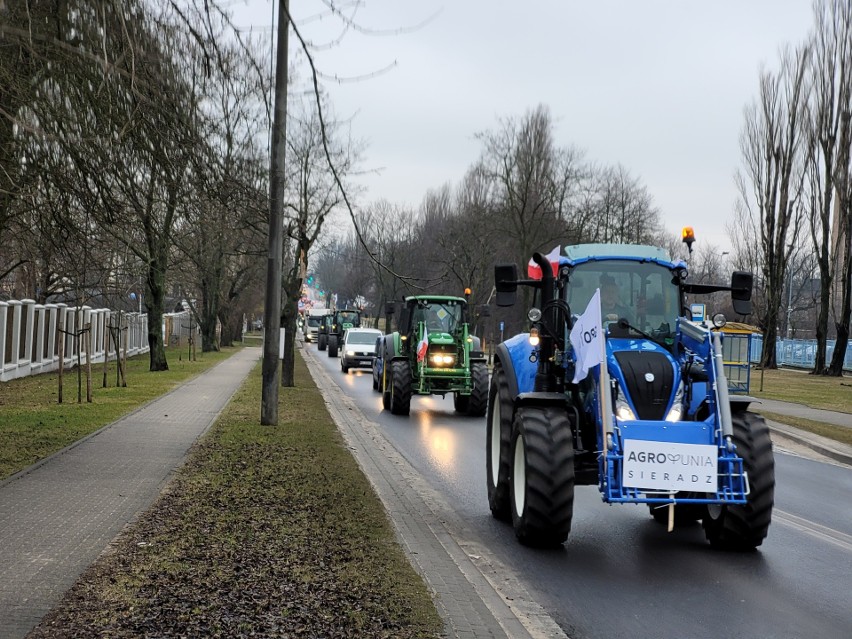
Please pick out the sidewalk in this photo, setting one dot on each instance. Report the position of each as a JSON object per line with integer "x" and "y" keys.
{"x": 57, "y": 516}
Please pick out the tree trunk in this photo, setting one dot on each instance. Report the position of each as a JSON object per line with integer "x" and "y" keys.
{"x": 289, "y": 311}
{"x": 156, "y": 291}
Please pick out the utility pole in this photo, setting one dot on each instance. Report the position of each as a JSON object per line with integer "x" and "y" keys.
{"x": 272, "y": 310}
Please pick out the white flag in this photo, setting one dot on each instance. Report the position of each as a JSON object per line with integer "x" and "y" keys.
{"x": 587, "y": 338}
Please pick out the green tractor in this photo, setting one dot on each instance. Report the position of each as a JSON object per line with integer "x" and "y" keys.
{"x": 323, "y": 331}
{"x": 339, "y": 322}
{"x": 433, "y": 353}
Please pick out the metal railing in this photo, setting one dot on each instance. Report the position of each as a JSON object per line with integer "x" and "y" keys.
{"x": 798, "y": 352}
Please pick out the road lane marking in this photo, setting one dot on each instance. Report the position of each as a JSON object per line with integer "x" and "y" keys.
{"x": 819, "y": 531}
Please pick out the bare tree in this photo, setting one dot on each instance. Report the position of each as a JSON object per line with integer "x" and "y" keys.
{"x": 314, "y": 193}
{"x": 773, "y": 182}
{"x": 831, "y": 76}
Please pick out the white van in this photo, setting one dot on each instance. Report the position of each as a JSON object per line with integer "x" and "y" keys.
{"x": 312, "y": 323}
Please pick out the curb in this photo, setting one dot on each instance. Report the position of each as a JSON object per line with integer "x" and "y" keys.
{"x": 837, "y": 451}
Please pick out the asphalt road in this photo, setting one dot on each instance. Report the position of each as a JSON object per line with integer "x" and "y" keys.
{"x": 620, "y": 574}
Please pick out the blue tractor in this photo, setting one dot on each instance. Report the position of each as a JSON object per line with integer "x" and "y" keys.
{"x": 655, "y": 425}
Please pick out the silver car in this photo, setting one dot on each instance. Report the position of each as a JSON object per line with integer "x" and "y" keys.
{"x": 359, "y": 348}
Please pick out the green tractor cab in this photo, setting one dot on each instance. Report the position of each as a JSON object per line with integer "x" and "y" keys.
{"x": 433, "y": 353}
{"x": 337, "y": 324}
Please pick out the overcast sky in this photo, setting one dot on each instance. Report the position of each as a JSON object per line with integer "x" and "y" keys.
{"x": 656, "y": 85}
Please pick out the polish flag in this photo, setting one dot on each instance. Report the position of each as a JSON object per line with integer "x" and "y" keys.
{"x": 534, "y": 270}
{"x": 423, "y": 345}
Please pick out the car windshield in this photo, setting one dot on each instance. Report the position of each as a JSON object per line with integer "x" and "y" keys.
{"x": 360, "y": 337}
{"x": 642, "y": 292}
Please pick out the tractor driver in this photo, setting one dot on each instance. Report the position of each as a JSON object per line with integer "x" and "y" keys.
{"x": 611, "y": 308}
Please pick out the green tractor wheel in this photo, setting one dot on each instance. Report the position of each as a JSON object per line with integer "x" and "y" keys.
{"x": 322, "y": 342}
{"x": 400, "y": 387}
{"x": 332, "y": 345}
{"x": 478, "y": 403}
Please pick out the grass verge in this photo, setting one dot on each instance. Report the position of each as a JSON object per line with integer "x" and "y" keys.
{"x": 34, "y": 425}
{"x": 816, "y": 391}
{"x": 266, "y": 531}
{"x": 837, "y": 433}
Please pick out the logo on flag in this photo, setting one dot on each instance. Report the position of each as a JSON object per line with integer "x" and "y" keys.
{"x": 587, "y": 338}
{"x": 534, "y": 270}
{"x": 423, "y": 345}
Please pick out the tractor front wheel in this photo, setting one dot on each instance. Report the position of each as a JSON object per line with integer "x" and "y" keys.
{"x": 498, "y": 442}
{"x": 478, "y": 398}
{"x": 542, "y": 484}
{"x": 322, "y": 342}
{"x": 332, "y": 345}
{"x": 400, "y": 387}
{"x": 744, "y": 526}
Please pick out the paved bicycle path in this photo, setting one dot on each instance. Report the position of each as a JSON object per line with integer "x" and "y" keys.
{"x": 57, "y": 516}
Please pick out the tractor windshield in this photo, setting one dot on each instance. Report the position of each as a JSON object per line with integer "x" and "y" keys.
{"x": 641, "y": 292}
{"x": 348, "y": 317}
{"x": 439, "y": 317}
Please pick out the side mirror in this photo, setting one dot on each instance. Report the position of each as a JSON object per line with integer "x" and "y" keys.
{"x": 741, "y": 285}
{"x": 506, "y": 283}
{"x": 405, "y": 320}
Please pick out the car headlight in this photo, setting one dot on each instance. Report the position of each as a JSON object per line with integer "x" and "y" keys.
{"x": 350, "y": 353}
{"x": 676, "y": 411}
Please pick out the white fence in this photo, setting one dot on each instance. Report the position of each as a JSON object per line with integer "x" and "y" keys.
{"x": 30, "y": 336}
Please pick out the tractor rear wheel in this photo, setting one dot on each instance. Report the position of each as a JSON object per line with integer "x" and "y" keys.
{"x": 400, "y": 387}
{"x": 498, "y": 441}
{"x": 332, "y": 345}
{"x": 542, "y": 484}
{"x": 744, "y": 526}
{"x": 322, "y": 341}
{"x": 478, "y": 398}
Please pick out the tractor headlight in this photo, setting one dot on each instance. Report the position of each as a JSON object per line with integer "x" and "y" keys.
{"x": 676, "y": 411}
{"x": 622, "y": 409}
{"x": 534, "y": 337}
{"x": 442, "y": 359}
